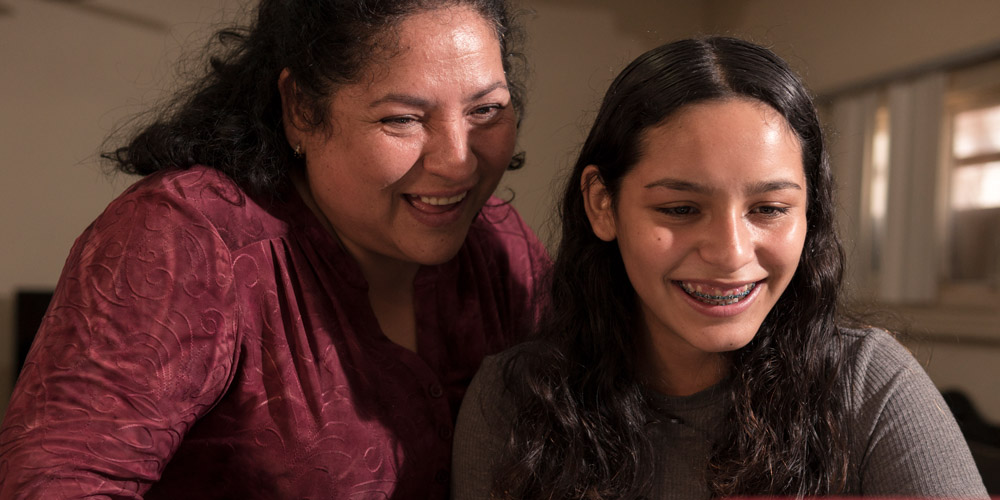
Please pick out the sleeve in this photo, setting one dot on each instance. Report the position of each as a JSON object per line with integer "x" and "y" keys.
{"x": 137, "y": 344}
{"x": 479, "y": 439}
{"x": 907, "y": 439}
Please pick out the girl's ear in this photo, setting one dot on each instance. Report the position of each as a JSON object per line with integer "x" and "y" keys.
{"x": 291, "y": 117}
{"x": 597, "y": 202}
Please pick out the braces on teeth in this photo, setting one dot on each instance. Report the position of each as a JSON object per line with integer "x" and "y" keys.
{"x": 718, "y": 299}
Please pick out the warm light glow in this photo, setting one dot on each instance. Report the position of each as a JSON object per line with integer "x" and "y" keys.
{"x": 976, "y": 186}
{"x": 976, "y": 132}
{"x": 879, "y": 196}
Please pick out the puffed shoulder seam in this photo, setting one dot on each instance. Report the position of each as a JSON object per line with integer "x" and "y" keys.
{"x": 194, "y": 214}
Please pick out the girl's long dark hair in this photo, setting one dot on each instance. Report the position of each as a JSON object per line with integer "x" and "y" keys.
{"x": 231, "y": 117}
{"x": 579, "y": 429}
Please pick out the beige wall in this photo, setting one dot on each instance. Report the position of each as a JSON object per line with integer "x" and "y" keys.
{"x": 576, "y": 47}
{"x": 70, "y": 75}
{"x": 842, "y": 42}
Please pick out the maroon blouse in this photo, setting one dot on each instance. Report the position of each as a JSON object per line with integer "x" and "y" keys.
{"x": 201, "y": 344}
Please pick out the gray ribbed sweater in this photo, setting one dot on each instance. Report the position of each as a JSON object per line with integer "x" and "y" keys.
{"x": 904, "y": 440}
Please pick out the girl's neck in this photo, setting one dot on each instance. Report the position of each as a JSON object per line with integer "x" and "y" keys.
{"x": 682, "y": 370}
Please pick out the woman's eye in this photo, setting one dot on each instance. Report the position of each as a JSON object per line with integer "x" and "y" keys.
{"x": 487, "y": 112}
{"x": 399, "y": 121}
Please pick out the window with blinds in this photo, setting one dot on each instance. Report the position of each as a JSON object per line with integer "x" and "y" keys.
{"x": 973, "y": 172}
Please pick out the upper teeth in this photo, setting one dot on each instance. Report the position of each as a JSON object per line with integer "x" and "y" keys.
{"x": 435, "y": 200}
{"x": 727, "y": 296}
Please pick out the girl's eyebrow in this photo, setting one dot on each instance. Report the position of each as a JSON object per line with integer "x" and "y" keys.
{"x": 679, "y": 185}
{"x": 751, "y": 189}
{"x": 769, "y": 186}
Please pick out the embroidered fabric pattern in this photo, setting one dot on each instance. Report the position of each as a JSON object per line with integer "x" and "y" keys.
{"x": 203, "y": 345}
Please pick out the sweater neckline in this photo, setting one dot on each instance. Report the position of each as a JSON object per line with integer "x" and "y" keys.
{"x": 710, "y": 397}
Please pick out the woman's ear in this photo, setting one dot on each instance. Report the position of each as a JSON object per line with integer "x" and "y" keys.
{"x": 290, "y": 115}
{"x": 597, "y": 202}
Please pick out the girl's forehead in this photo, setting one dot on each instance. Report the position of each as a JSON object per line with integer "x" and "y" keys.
{"x": 718, "y": 144}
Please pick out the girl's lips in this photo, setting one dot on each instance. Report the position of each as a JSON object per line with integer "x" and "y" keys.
{"x": 720, "y": 301}
{"x": 717, "y": 295}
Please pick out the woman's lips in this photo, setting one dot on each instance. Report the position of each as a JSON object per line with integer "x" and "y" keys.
{"x": 437, "y": 211}
{"x": 441, "y": 200}
{"x": 435, "y": 204}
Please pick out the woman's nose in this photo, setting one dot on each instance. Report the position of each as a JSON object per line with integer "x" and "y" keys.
{"x": 448, "y": 152}
{"x": 727, "y": 243}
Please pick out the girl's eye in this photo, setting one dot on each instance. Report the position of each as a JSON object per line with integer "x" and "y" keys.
{"x": 771, "y": 210}
{"x": 679, "y": 211}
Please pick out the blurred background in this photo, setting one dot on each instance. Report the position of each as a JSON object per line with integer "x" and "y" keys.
{"x": 909, "y": 91}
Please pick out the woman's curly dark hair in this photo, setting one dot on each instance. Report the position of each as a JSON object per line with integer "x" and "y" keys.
{"x": 231, "y": 117}
{"x": 581, "y": 409}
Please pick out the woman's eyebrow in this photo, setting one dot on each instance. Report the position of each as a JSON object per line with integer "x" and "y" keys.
{"x": 420, "y": 102}
{"x": 499, "y": 84}
{"x": 409, "y": 100}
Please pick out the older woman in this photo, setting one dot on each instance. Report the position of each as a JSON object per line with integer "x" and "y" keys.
{"x": 291, "y": 302}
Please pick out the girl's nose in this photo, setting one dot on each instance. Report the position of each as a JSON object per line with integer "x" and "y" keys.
{"x": 727, "y": 243}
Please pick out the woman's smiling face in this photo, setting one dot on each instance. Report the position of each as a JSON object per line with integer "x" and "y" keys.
{"x": 710, "y": 223}
{"x": 416, "y": 147}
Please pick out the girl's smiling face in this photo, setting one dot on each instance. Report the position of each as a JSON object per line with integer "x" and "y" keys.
{"x": 710, "y": 223}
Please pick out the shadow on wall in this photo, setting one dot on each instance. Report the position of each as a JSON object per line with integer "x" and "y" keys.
{"x": 29, "y": 309}
{"x": 983, "y": 438}
{"x": 8, "y": 348}
{"x": 645, "y": 19}
{"x": 23, "y": 313}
